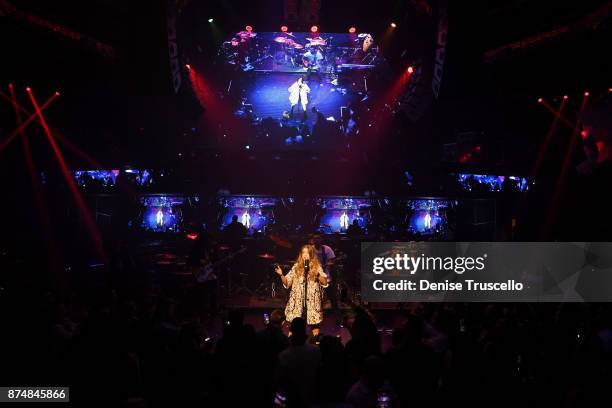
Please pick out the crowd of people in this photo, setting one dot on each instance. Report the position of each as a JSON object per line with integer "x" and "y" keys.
{"x": 121, "y": 336}
{"x": 146, "y": 347}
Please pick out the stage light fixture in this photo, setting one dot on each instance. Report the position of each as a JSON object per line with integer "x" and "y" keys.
{"x": 210, "y": 20}
{"x": 352, "y": 30}
{"x": 540, "y": 100}
{"x": 586, "y": 93}
{"x": 57, "y": 93}
{"x": 410, "y": 70}
{"x": 314, "y": 29}
{"x": 393, "y": 25}
{"x": 248, "y": 28}
{"x": 284, "y": 29}
{"x": 565, "y": 96}
{"x": 28, "y": 88}
{"x": 188, "y": 66}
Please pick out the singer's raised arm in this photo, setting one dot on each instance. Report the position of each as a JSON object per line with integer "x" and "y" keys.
{"x": 288, "y": 279}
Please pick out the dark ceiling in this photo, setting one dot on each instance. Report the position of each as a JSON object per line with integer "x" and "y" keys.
{"x": 107, "y": 99}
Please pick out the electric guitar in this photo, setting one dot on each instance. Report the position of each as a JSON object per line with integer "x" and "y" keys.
{"x": 205, "y": 273}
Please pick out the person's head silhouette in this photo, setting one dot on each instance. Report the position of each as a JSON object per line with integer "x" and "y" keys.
{"x": 298, "y": 331}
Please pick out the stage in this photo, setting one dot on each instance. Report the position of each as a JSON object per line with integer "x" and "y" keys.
{"x": 385, "y": 316}
{"x": 268, "y": 94}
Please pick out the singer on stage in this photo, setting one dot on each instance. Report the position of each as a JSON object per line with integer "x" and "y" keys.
{"x": 298, "y": 93}
{"x": 307, "y": 264}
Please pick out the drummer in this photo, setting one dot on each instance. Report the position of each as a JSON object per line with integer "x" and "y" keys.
{"x": 312, "y": 58}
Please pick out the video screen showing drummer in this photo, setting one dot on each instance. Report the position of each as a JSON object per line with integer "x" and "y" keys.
{"x": 308, "y": 57}
{"x": 313, "y": 59}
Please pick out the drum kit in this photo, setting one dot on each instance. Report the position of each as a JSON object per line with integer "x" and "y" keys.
{"x": 259, "y": 280}
{"x": 293, "y": 52}
{"x": 248, "y": 51}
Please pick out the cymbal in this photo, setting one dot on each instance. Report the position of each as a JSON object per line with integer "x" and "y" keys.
{"x": 170, "y": 262}
{"x": 280, "y": 241}
{"x": 266, "y": 255}
{"x": 166, "y": 256}
{"x": 317, "y": 41}
{"x": 246, "y": 34}
{"x": 289, "y": 42}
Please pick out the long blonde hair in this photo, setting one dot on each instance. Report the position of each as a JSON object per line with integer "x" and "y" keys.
{"x": 313, "y": 270}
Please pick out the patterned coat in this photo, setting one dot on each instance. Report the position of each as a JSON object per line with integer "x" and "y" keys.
{"x": 296, "y": 296}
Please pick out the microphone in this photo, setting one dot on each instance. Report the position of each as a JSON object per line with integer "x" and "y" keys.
{"x": 306, "y": 264}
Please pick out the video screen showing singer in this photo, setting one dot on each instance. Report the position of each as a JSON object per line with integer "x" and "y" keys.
{"x": 307, "y": 304}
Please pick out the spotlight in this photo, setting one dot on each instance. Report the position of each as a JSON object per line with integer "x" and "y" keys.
{"x": 609, "y": 89}
{"x": 352, "y": 30}
{"x": 28, "y": 88}
{"x": 57, "y": 93}
{"x": 11, "y": 85}
{"x": 284, "y": 29}
{"x": 248, "y": 28}
{"x": 586, "y": 93}
{"x": 565, "y": 96}
{"x": 210, "y": 20}
{"x": 393, "y": 25}
{"x": 540, "y": 100}
{"x": 314, "y": 29}
{"x": 187, "y": 66}
{"x": 410, "y": 70}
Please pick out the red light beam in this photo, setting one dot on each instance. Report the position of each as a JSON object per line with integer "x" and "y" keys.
{"x": 47, "y": 229}
{"x": 89, "y": 222}
{"x": 547, "y": 138}
{"x": 561, "y": 118}
{"x": 559, "y": 188}
{"x": 88, "y": 159}
{"x": 23, "y": 125}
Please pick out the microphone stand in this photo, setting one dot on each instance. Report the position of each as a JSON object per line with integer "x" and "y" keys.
{"x": 305, "y": 301}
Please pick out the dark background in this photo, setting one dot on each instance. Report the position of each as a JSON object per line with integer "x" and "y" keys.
{"x": 121, "y": 110}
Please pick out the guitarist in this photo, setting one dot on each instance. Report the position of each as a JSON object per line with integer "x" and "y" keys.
{"x": 326, "y": 258}
{"x": 206, "y": 282}
{"x": 204, "y": 270}
{"x": 203, "y": 260}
